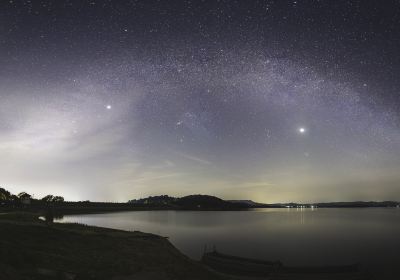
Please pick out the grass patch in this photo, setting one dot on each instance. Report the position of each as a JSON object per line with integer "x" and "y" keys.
{"x": 29, "y": 249}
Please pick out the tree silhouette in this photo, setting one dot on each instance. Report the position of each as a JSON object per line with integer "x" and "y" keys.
{"x": 5, "y": 195}
{"x": 51, "y": 198}
{"x": 24, "y": 195}
{"x": 48, "y": 198}
{"x": 58, "y": 199}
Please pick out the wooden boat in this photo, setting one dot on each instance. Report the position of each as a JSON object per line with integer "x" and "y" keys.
{"x": 253, "y": 268}
{"x": 239, "y": 266}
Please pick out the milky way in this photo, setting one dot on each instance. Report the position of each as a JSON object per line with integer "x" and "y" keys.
{"x": 295, "y": 101}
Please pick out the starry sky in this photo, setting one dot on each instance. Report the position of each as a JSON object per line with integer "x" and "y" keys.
{"x": 274, "y": 101}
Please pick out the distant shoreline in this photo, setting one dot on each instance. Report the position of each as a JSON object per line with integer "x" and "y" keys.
{"x": 55, "y": 205}
{"x": 98, "y": 208}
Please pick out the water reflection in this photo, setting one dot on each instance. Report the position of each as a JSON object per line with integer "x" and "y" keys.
{"x": 296, "y": 236}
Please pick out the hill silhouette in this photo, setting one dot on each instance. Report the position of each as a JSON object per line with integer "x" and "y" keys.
{"x": 204, "y": 201}
{"x": 197, "y": 201}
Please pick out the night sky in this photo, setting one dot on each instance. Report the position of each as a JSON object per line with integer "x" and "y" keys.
{"x": 274, "y": 101}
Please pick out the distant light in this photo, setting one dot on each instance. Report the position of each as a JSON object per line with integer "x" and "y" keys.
{"x": 302, "y": 130}
{"x": 108, "y": 107}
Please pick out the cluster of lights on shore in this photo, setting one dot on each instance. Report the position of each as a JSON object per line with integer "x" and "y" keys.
{"x": 302, "y": 206}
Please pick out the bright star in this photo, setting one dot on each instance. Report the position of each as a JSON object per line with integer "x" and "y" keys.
{"x": 108, "y": 107}
{"x": 302, "y": 130}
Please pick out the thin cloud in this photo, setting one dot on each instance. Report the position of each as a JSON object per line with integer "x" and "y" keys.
{"x": 195, "y": 159}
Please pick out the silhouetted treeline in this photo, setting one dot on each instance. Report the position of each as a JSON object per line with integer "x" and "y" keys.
{"x": 155, "y": 200}
{"x": 58, "y": 206}
{"x": 25, "y": 200}
{"x": 195, "y": 202}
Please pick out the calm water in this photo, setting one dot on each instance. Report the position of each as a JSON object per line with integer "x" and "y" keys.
{"x": 369, "y": 236}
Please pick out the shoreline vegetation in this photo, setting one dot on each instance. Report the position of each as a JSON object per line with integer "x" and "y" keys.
{"x": 57, "y": 206}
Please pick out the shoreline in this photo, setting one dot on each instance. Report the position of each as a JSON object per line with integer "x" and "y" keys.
{"x": 61, "y": 210}
{"x": 32, "y": 249}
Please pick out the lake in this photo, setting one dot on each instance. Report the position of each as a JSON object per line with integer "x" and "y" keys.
{"x": 369, "y": 236}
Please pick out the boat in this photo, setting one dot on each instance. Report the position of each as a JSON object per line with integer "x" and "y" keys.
{"x": 234, "y": 265}
{"x": 247, "y": 268}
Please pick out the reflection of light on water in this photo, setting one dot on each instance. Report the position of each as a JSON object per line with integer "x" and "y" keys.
{"x": 301, "y": 209}
{"x": 305, "y": 210}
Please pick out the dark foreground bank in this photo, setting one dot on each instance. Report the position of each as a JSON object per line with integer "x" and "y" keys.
{"x": 30, "y": 249}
